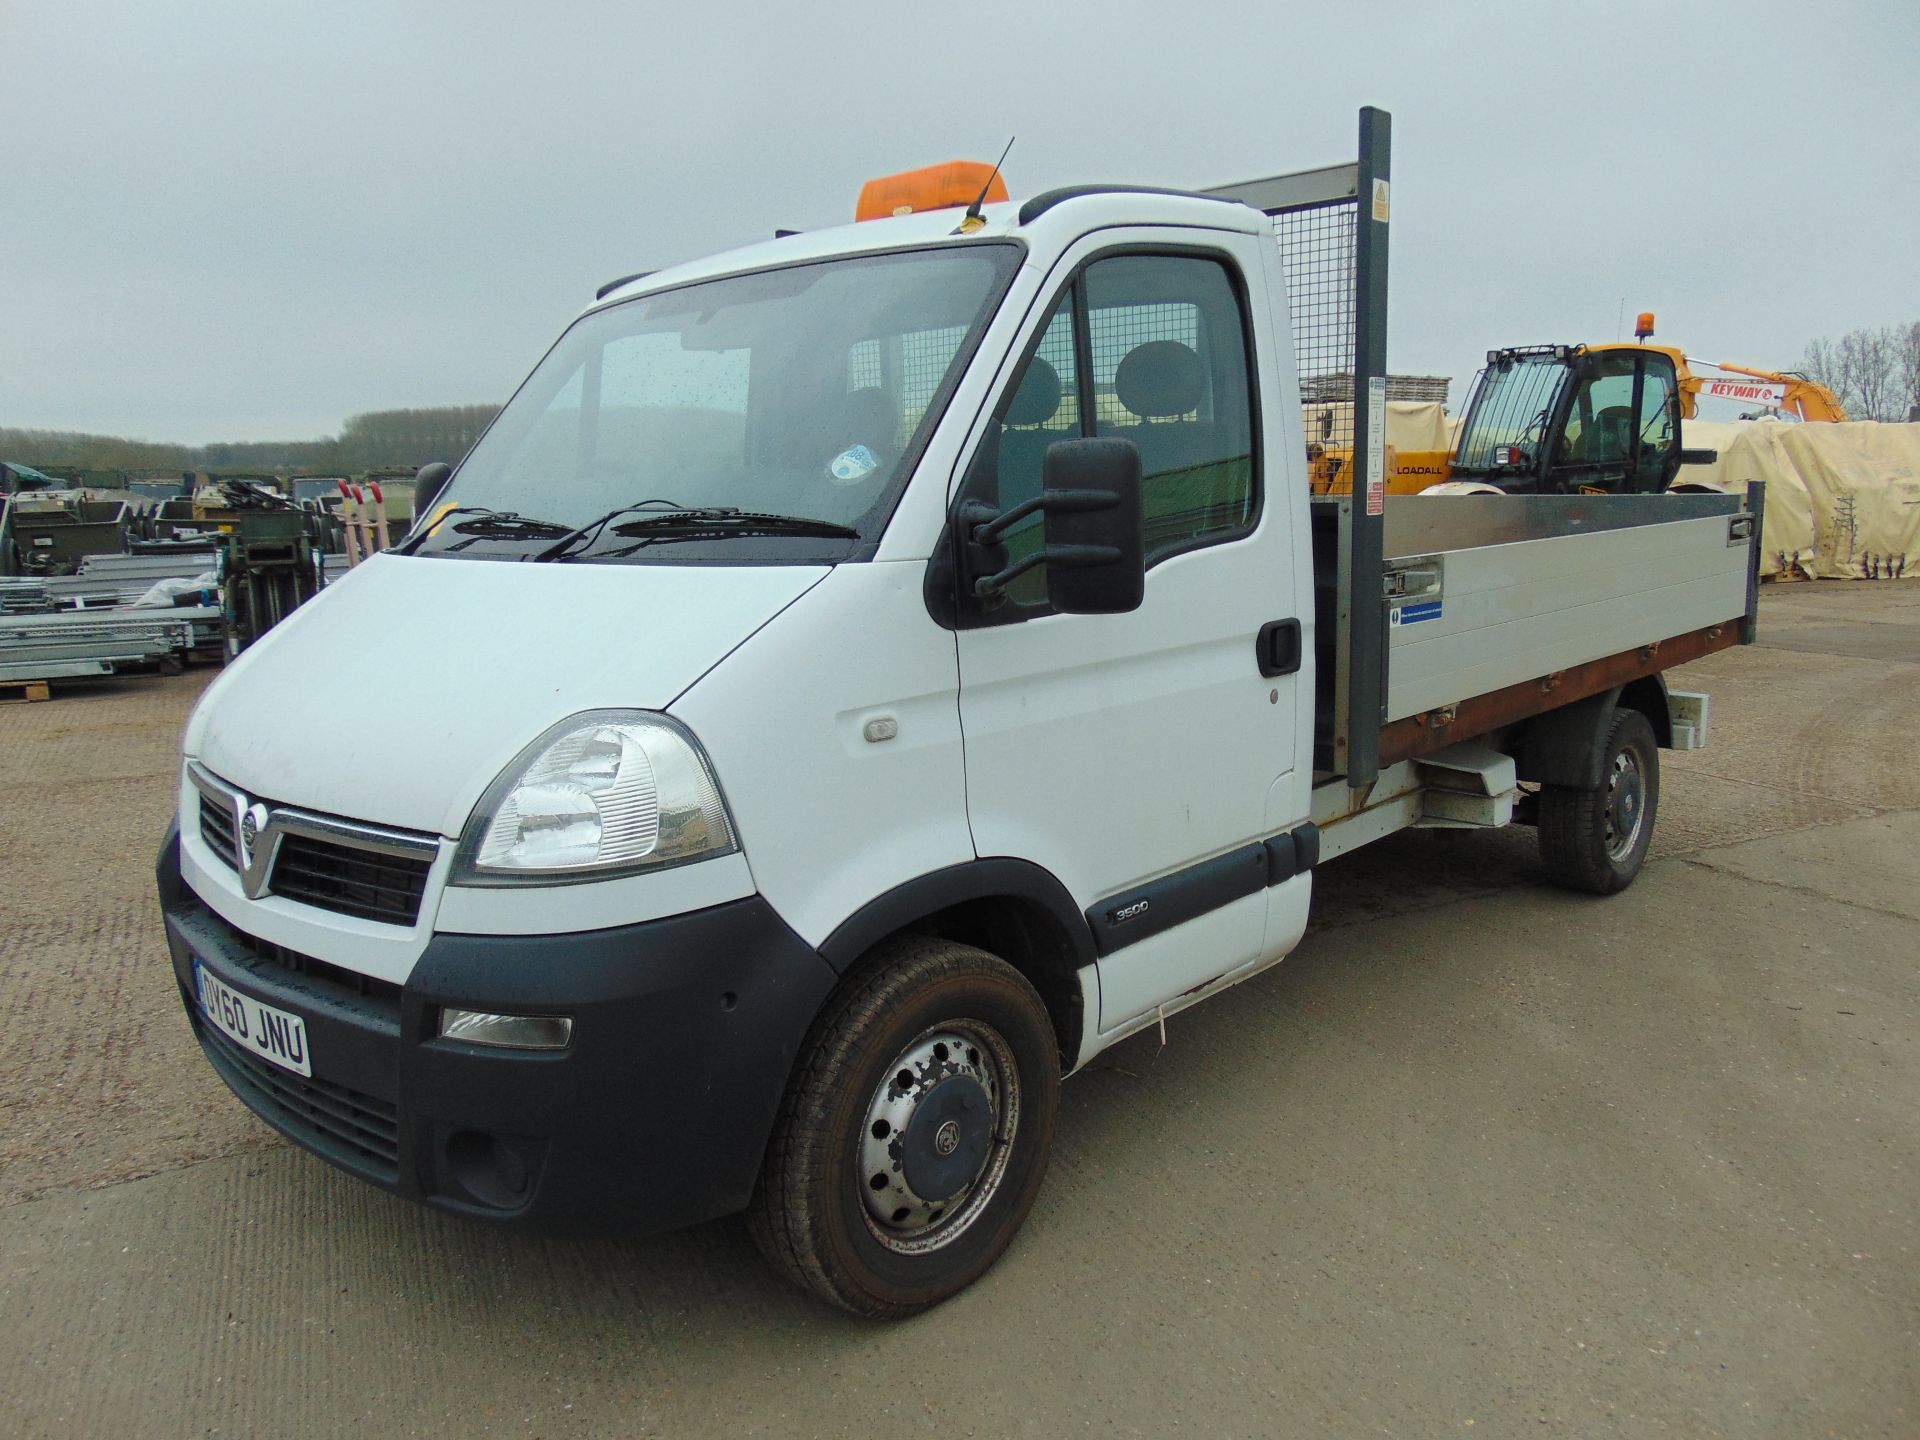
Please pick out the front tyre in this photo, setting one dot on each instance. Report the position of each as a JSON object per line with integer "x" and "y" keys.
{"x": 914, "y": 1133}
{"x": 1596, "y": 840}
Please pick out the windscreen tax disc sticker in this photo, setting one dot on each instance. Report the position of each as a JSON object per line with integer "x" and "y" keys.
{"x": 853, "y": 465}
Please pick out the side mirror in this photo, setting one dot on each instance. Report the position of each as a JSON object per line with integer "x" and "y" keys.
{"x": 1094, "y": 543}
{"x": 1095, "y": 552}
{"x": 428, "y": 481}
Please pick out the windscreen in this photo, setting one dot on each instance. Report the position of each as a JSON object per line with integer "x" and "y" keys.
{"x": 801, "y": 393}
{"x": 1513, "y": 405}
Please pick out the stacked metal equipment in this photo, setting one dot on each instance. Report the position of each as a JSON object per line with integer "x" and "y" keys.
{"x": 77, "y": 604}
{"x": 119, "y": 612}
{"x": 268, "y": 562}
{"x": 184, "y": 580}
{"x": 188, "y": 575}
{"x": 47, "y": 535}
{"x": 69, "y": 643}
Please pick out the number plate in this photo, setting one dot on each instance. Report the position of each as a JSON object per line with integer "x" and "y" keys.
{"x": 272, "y": 1034}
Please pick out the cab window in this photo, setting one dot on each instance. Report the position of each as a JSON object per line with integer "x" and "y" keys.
{"x": 1167, "y": 341}
{"x": 1659, "y": 427}
{"x": 1170, "y": 375}
{"x": 1607, "y": 426}
{"x": 1043, "y": 406}
{"x": 1600, "y": 422}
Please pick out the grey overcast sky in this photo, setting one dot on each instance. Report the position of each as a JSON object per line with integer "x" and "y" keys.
{"x": 250, "y": 219}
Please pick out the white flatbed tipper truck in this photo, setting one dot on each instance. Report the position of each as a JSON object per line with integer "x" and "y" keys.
{"x": 860, "y": 677}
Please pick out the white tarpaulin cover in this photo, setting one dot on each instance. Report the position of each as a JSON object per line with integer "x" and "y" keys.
{"x": 1843, "y": 500}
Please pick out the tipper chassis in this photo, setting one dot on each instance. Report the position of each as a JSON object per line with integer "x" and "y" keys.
{"x": 859, "y": 678}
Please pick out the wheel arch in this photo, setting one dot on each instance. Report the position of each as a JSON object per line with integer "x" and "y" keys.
{"x": 1648, "y": 695}
{"x": 1010, "y": 908}
{"x": 1564, "y": 746}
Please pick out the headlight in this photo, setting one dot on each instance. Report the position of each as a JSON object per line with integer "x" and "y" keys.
{"x": 607, "y": 791}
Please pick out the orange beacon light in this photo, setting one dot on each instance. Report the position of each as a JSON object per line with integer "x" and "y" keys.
{"x": 934, "y": 187}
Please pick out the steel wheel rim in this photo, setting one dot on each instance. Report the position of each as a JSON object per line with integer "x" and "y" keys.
{"x": 948, "y": 1059}
{"x": 1626, "y": 805}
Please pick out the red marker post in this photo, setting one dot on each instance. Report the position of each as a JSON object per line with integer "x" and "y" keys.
{"x": 347, "y": 525}
{"x": 379, "y": 514}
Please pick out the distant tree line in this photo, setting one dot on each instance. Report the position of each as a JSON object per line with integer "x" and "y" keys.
{"x": 1876, "y": 373}
{"x": 379, "y": 440}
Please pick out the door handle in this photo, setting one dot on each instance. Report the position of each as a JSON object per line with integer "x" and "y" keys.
{"x": 1277, "y": 648}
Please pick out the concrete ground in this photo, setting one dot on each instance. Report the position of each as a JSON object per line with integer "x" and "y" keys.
{"x": 1481, "y": 1158}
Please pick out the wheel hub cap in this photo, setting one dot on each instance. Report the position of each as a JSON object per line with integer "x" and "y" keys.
{"x": 947, "y": 1139}
{"x": 936, "y": 1133}
{"x": 1626, "y": 803}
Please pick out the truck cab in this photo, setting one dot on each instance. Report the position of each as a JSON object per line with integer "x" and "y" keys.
{"x": 1560, "y": 419}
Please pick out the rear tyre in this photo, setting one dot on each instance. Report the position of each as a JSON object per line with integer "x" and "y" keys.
{"x": 1596, "y": 840}
{"x": 914, "y": 1133}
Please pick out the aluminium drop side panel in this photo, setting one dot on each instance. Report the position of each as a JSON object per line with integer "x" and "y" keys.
{"x": 1509, "y": 613}
{"x": 828, "y": 819}
{"x": 1425, "y": 524}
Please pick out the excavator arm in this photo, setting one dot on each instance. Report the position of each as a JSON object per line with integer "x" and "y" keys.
{"x": 1783, "y": 391}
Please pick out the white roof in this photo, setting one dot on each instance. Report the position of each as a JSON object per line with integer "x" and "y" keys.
{"x": 1058, "y": 226}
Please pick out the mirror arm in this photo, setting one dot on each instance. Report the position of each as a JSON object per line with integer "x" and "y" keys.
{"x": 1071, "y": 557}
{"x": 988, "y": 526}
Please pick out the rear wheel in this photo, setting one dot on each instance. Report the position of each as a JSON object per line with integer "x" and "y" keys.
{"x": 914, "y": 1134}
{"x": 1596, "y": 840}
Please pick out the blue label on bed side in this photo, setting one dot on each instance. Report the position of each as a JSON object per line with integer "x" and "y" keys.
{"x": 1414, "y": 614}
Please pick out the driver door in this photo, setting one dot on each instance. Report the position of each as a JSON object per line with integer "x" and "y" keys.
{"x": 1142, "y": 757}
{"x": 1621, "y": 435}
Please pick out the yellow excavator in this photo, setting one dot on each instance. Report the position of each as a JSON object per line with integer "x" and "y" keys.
{"x": 1593, "y": 419}
{"x": 1782, "y": 392}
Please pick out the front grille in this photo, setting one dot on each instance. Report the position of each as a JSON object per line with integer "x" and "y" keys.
{"x": 350, "y": 881}
{"x": 365, "y": 871}
{"x": 216, "y": 829}
{"x": 360, "y": 1130}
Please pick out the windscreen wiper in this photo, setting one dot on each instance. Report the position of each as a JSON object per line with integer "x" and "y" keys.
{"x": 724, "y": 524}
{"x": 590, "y": 531}
{"x": 686, "y": 522}
{"x": 504, "y": 526}
{"x": 494, "y": 525}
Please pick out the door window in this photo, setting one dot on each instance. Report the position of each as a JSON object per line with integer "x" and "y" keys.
{"x": 1600, "y": 423}
{"x": 1659, "y": 426}
{"x": 1043, "y": 406}
{"x": 1169, "y": 374}
{"x": 1604, "y": 426}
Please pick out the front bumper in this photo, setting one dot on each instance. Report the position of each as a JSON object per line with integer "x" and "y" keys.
{"x": 657, "y": 1114}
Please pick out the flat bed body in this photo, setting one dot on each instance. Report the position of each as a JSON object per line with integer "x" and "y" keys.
{"x": 1500, "y": 608}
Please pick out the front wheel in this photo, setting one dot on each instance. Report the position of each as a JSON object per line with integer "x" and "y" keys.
{"x": 1596, "y": 840}
{"x": 914, "y": 1133}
